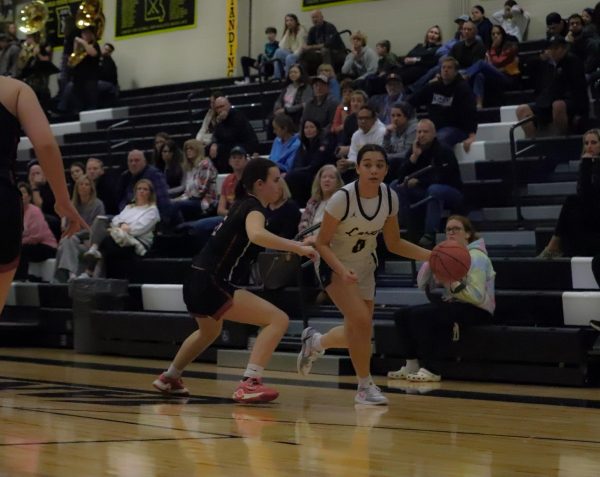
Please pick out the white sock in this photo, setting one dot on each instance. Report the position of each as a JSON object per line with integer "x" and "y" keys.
{"x": 253, "y": 371}
{"x": 316, "y": 342}
{"x": 365, "y": 382}
{"x": 412, "y": 365}
{"x": 173, "y": 372}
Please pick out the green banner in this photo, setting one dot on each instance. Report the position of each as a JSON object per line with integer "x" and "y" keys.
{"x": 146, "y": 17}
{"x": 312, "y": 4}
{"x": 55, "y": 26}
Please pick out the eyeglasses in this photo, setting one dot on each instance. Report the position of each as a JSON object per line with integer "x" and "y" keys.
{"x": 452, "y": 230}
{"x": 364, "y": 118}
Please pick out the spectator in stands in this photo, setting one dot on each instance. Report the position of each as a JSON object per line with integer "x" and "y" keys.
{"x": 71, "y": 248}
{"x": 33, "y": 67}
{"x": 85, "y": 74}
{"x": 202, "y": 228}
{"x": 321, "y": 108}
{"x": 108, "y": 80}
{"x": 513, "y": 19}
{"x": 400, "y": 135}
{"x": 425, "y": 329}
{"x": 263, "y": 63}
{"x": 370, "y": 131}
{"x": 358, "y": 99}
{"x": 286, "y": 144}
{"x": 160, "y": 138}
{"x": 42, "y": 196}
{"x": 323, "y": 44}
{"x": 563, "y": 97}
{"x": 450, "y": 105}
{"x": 314, "y": 151}
{"x": 9, "y": 55}
{"x": 466, "y": 51}
{"x": 199, "y": 198}
{"x": 233, "y": 128}
{"x": 581, "y": 44}
{"x": 429, "y": 180}
{"x": 76, "y": 170}
{"x": 555, "y": 25}
{"x": 171, "y": 165}
{"x": 326, "y": 182}
{"x": 137, "y": 169}
{"x": 130, "y": 233}
{"x": 470, "y": 49}
{"x": 209, "y": 123}
{"x": 283, "y": 215}
{"x": 483, "y": 24}
{"x": 500, "y": 67}
{"x": 362, "y": 61}
{"x": 38, "y": 241}
{"x": 103, "y": 183}
{"x": 343, "y": 109}
{"x": 290, "y": 46}
{"x": 294, "y": 95}
{"x": 423, "y": 56}
{"x": 382, "y": 103}
{"x": 577, "y": 231}
{"x": 334, "y": 85}
{"x": 588, "y": 25}
{"x": 387, "y": 63}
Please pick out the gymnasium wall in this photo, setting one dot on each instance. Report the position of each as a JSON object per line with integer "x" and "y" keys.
{"x": 200, "y": 53}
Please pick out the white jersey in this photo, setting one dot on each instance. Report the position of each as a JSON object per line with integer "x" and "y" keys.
{"x": 361, "y": 221}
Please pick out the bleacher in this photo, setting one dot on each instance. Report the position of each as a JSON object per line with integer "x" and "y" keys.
{"x": 540, "y": 332}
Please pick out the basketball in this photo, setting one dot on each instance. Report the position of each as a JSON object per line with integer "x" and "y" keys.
{"x": 450, "y": 261}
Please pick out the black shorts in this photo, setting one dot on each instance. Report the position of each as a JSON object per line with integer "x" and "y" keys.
{"x": 11, "y": 225}
{"x": 206, "y": 295}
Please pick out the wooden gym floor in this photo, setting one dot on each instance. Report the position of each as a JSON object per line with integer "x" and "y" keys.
{"x": 64, "y": 414}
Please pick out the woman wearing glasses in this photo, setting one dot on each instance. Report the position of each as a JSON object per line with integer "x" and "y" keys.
{"x": 470, "y": 302}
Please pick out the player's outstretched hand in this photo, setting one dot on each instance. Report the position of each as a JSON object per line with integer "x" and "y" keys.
{"x": 74, "y": 221}
{"x": 306, "y": 251}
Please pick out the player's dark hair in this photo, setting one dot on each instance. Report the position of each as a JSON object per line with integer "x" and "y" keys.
{"x": 257, "y": 169}
{"x": 371, "y": 148}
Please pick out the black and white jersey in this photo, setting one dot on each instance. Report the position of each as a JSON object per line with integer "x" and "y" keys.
{"x": 361, "y": 221}
{"x": 229, "y": 253}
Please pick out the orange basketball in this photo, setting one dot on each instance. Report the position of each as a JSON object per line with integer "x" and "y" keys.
{"x": 450, "y": 261}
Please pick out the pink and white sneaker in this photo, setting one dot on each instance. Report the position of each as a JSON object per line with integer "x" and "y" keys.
{"x": 173, "y": 386}
{"x": 253, "y": 390}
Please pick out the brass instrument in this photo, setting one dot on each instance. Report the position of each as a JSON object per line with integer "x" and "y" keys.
{"x": 32, "y": 17}
{"x": 31, "y": 20}
{"x": 89, "y": 15}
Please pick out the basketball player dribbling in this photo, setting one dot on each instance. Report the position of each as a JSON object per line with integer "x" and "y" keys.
{"x": 19, "y": 108}
{"x": 347, "y": 241}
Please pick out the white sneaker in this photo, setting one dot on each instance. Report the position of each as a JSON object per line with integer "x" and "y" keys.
{"x": 93, "y": 252}
{"x": 242, "y": 82}
{"x": 84, "y": 275}
{"x": 424, "y": 376}
{"x": 370, "y": 396}
{"x": 402, "y": 373}
{"x": 308, "y": 355}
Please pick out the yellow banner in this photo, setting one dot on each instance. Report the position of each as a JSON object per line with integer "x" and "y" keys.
{"x": 232, "y": 35}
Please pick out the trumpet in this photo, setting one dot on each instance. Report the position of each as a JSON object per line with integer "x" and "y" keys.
{"x": 89, "y": 15}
